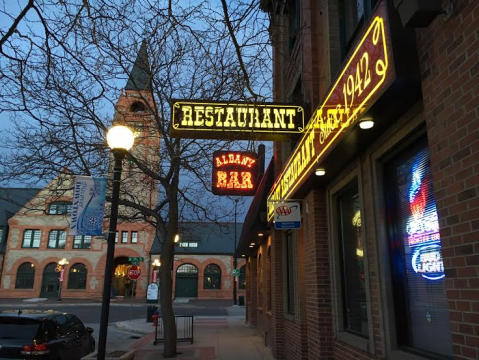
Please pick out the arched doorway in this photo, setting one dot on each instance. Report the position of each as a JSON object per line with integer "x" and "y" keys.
{"x": 122, "y": 286}
{"x": 50, "y": 281}
{"x": 186, "y": 281}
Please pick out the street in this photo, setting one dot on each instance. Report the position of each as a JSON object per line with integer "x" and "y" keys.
{"x": 89, "y": 314}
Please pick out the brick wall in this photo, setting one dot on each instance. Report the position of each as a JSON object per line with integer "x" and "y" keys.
{"x": 448, "y": 53}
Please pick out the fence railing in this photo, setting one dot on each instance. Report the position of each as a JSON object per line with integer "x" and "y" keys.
{"x": 184, "y": 329}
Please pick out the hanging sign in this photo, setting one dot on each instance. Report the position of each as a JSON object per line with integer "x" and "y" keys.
{"x": 287, "y": 215}
{"x": 365, "y": 75}
{"x": 235, "y": 173}
{"x": 152, "y": 292}
{"x": 238, "y": 120}
{"x": 88, "y": 206}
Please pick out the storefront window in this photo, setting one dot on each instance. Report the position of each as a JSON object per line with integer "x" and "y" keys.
{"x": 416, "y": 258}
{"x": 355, "y": 316}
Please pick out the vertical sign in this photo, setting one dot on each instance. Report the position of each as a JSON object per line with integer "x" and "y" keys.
{"x": 88, "y": 206}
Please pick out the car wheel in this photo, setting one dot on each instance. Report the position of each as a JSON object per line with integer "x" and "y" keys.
{"x": 92, "y": 347}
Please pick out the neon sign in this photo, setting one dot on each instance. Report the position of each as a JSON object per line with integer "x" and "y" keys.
{"x": 235, "y": 173}
{"x": 364, "y": 76}
{"x": 422, "y": 227}
{"x": 427, "y": 261}
{"x": 239, "y": 120}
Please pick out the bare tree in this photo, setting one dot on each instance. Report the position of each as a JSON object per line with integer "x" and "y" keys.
{"x": 62, "y": 65}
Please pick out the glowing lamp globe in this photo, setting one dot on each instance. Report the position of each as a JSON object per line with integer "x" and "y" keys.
{"x": 120, "y": 137}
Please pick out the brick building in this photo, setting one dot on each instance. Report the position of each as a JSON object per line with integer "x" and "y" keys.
{"x": 203, "y": 261}
{"x": 38, "y": 238}
{"x": 386, "y": 263}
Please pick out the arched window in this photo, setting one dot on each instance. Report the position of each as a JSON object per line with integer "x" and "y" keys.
{"x": 187, "y": 269}
{"x": 137, "y": 107}
{"x": 242, "y": 277}
{"x": 25, "y": 276}
{"x": 212, "y": 277}
{"x": 77, "y": 277}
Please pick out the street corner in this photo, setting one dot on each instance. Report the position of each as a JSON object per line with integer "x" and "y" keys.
{"x": 138, "y": 326}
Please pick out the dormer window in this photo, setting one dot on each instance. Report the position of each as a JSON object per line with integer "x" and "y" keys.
{"x": 60, "y": 208}
{"x": 137, "y": 107}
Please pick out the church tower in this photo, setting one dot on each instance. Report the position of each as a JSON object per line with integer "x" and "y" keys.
{"x": 136, "y": 109}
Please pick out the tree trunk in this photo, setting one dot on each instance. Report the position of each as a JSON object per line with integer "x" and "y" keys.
{"x": 166, "y": 299}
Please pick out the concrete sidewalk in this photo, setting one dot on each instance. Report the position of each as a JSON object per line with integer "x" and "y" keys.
{"x": 215, "y": 338}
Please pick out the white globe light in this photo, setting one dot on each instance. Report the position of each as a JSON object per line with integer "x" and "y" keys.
{"x": 320, "y": 172}
{"x": 120, "y": 137}
{"x": 367, "y": 123}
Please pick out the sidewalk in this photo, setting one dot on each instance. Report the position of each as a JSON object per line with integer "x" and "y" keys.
{"x": 215, "y": 338}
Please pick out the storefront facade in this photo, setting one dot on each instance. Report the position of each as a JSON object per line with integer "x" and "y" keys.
{"x": 385, "y": 264}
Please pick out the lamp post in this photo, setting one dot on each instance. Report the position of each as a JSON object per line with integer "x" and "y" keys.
{"x": 156, "y": 267}
{"x": 120, "y": 140}
{"x": 61, "y": 264}
{"x": 235, "y": 260}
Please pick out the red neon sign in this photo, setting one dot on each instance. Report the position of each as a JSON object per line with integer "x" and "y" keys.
{"x": 235, "y": 173}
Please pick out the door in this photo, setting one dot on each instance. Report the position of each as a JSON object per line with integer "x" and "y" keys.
{"x": 50, "y": 281}
{"x": 187, "y": 281}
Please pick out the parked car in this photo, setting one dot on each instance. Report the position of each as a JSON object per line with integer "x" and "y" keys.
{"x": 35, "y": 334}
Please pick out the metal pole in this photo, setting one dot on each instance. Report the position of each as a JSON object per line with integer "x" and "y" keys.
{"x": 60, "y": 282}
{"x": 110, "y": 254}
{"x": 235, "y": 260}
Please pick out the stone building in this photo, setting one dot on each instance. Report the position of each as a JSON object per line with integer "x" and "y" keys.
{"x": 203, "y": 261}
{"x": 386, "y": 262}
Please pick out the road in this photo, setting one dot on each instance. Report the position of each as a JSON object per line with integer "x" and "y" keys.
{"x": 89, "y": 314}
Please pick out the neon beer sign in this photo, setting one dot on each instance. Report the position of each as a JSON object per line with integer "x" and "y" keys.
{"x": 235, "y": 173}
{"x": 365, "y": 75}
{"x": 238, "y": 120}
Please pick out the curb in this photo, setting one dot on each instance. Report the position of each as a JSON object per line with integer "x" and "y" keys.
{"x": 129, "y": 327}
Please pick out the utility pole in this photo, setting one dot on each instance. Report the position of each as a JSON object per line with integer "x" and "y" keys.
{"x": 235, "y": 260}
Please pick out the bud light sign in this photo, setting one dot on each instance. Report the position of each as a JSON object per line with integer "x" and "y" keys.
{"x": 287, "y": 215}
{"x": 427, "y": 261}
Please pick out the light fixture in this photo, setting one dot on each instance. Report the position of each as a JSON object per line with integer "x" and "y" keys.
{"x": 251, "y": 246}
{"x": 320, "y": 171}
{"x": 260, "y": 234}
{"x": 120, "y": 137}
{"x": 243, "y": 255}
{"x": 366, "y": 123}
{"x": 156, "y": 263}
{"x": 63, "y": 262}
{"x": 177, "y": 238}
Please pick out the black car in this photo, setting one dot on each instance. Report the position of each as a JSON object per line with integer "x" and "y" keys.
{"x": 34, "y": 334}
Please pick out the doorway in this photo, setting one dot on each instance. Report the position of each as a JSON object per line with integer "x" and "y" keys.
{"x": 122, "y": 286}
{"x": 50, "y": 281}
{"x": 186, "y": 281}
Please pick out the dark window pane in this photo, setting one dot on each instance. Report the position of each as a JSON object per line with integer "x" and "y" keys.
{"x": 77, "y": 277}
{"x": 212, "y": 277}
{"x": 18, "y": 328}
{"x": 352, "y": 260}
{"x": 242, "y": 277}
{"x": 25, "y": 276}
{"x": 290, "y": 266}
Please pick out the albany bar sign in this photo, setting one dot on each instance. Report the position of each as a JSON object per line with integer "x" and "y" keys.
{"x": 235, "y": 120}
{"x": 366, "y": 74}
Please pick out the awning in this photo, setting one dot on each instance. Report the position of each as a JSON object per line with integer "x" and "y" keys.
{"x": 255, "y": 220}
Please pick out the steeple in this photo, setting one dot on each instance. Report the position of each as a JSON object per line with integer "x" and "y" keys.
{"x": 140, "y": 76}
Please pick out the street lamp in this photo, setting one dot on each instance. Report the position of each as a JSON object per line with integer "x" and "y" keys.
{"x": 156, "y": 267}
{"x": 235, "y": 260}
{"x": 120, "y": 140}
{"x": 61, "y": 264}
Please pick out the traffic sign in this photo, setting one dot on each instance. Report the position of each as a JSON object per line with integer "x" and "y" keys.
{"x": 134, "y": 272}
{"x": 236, "y": 272}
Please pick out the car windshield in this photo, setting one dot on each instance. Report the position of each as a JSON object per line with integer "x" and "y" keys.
{"x": 18, "y": 328}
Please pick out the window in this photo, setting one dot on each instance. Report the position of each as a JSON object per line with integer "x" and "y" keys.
{"x": 290, "y": 271}
{"x": 116, "y": 237}
{"x": 261, "y": 282}
{"x": 31, "y": 239}
{"x": 351, "y": 258}
{"x": 60, "y": 208}
{"x": 187, "y": 269}
{"x": 1, "y": 235}
{"x": 124, "y": 237}
{"x": 134, "y": 237}
{"x": 81, "y": 241}
{"x": 242, "y": 277}
{"x": 294, "y": 13}
{"x": 137, "y": 106}
{"x": 420, "y": 302}
{"x": 57, "y": 239}
{"x": 212, "y": 277}
{"x": 25, "y": 276}
{"x": 77, "y": 277}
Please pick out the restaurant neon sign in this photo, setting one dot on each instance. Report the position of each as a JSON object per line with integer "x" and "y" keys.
{"x": 365, "y": 75}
